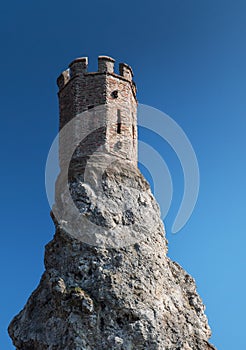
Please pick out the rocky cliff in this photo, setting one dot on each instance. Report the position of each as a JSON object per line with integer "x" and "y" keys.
{"x": 106, "y": 295}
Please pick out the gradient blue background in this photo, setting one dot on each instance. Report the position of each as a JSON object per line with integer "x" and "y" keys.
{"x": 189, "y": 61}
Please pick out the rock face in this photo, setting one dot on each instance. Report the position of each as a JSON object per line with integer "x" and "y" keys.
{"x": 108, "y": 283}
{"x": 131, "y": 297}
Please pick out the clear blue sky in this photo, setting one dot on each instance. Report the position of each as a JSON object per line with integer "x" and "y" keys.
{"x": 189, "y": 61}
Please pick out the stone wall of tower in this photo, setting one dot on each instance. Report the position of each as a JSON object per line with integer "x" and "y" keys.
{"x": 107, "y": 104}
{"x": 122, "y": 117}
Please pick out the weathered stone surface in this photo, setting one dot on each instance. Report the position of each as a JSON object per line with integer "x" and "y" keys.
{"x": 101, "y": 297}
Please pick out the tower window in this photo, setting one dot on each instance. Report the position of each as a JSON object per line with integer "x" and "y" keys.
{"x": 133, "y": 131}
{"x": 118, "y": 122}
{"x": 114, "y": 94}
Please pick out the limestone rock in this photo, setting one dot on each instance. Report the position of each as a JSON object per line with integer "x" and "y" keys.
{"x": 102, "y": 296}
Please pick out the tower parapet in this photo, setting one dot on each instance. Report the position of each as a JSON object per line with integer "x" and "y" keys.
{"x": 106, "y": 64}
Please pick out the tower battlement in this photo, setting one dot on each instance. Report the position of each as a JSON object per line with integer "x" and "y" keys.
{"x": 106, "y": 65}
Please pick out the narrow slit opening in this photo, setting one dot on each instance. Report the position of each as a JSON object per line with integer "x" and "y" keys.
{"x": 118, "y": 128}
{"x": 118, "y": 122}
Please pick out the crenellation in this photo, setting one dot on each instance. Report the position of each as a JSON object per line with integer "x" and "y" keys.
{"x": 126, "y": 71}
{"x": 78, "y": 69}
{"x": 78, "y": 66}
{"x": 105, "y": 64}
{"x": 63, "y": 78}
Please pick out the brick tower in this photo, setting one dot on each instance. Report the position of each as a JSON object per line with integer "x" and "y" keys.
{"x": 107, "y": 107}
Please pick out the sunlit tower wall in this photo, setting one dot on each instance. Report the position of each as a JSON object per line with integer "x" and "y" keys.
{"x": 106, "y": 103}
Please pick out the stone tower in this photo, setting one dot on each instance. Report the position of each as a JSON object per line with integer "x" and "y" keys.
{"x": 81, "y": 91}
{"x": 108, "y": 283}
